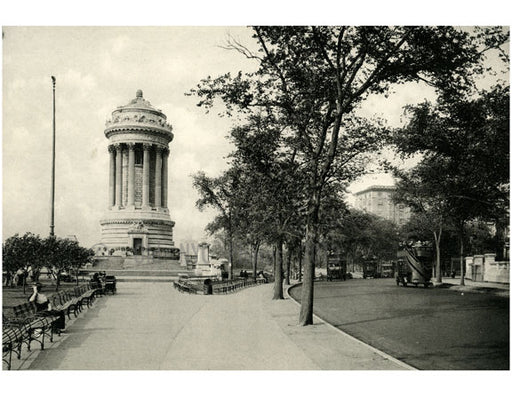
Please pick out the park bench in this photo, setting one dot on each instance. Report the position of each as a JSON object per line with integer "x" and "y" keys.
{"x": 23, "y": 324}
{"x": 66, "y": 302}
{"x": 35, "y": 325}
{"x": 110, "y": 284}
{"x": 85, "y": 294}
{"x": 12, "y": 341}
{"x": 99, "y": 290}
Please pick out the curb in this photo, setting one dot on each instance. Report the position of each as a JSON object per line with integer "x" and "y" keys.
{"x": 474, "y": 289}
{"x": 373, "y": 349}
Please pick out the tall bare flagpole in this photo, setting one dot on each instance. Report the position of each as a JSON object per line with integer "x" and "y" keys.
{"x": 52, "y": 216}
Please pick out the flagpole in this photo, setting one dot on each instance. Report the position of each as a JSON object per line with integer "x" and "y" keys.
{"x": 52, "y": 216}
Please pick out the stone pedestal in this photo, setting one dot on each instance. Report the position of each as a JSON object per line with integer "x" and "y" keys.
{"x": 203, "y": 258}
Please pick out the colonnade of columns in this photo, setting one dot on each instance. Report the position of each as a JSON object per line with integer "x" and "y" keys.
{"x": 116, "y": 175}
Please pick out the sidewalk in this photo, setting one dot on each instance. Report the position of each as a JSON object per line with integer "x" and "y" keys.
{"x": 500, "y": 289}
{"x": 152, "y": 326}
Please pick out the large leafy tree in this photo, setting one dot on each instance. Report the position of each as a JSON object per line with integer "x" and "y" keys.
{"x": 268, "y": 197}
{"x": 310, "y": 80}
{"x": 220, "y": 194}
{"x": 419, "y": 189}
{"x": 360, "y": 236}
{"x": 464, "y": 169}
{"x": 59, "y": 254}
{"x": 62, "y": 255}
{"x": 20, "y": 252}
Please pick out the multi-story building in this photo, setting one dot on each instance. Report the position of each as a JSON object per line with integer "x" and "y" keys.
{"x": 378, "y": 200}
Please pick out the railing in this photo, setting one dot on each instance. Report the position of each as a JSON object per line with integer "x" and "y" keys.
{"x": 185, "y": 287}
{"x": 223, "y": 287}
{"x": 216, "y": 287}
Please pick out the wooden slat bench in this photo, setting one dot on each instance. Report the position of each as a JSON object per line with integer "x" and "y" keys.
{"x": 66, "y": 302}
{"x": 12, "y": 341}
{"x": 99, "y": 290}
{"x": 36, "y": 324}
{"x": 85, "y": 294}
{"x": 22, "y": 324}
{"x": 110, "y": 284}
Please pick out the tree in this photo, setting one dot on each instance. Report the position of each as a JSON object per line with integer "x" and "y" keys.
{"x": 251, "y": 158}
{"x": 219, "y": 193}
{"x": 310, "y": 80}
{"x": 362, "y": 236}
{"x": 464, "y": 170}
{"x": 269, "y": 197}
{"x": 79, "y": 256}
{"x": 420, "y": 189}
{"x": 20, "y": 252}
{"x": 55, "y": 253}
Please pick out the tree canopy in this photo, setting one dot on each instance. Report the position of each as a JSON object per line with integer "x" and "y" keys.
{"x": 311, "y": 78}
{"x": 463, "y": 173}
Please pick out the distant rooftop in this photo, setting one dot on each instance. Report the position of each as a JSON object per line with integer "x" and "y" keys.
{"x": 376, "y": 188}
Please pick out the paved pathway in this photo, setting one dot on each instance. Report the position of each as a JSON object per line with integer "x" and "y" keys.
{"x": 152, "y": 326}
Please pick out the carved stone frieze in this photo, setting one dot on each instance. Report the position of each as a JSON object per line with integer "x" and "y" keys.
{"x": 124, "y": 130}
{"x": 131, "y": 222}
{"x": 121, "y": 119}
{"x": 138, "y": 227}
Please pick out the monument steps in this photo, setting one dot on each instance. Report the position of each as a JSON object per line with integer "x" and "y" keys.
{"x": 139, "y": 269}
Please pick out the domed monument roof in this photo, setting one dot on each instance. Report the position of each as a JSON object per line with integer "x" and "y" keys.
{"x": 141, "y": 104}
{"x": 138, "y": 114}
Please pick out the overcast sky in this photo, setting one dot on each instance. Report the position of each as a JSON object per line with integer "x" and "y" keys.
{"x": 98, "y": 69}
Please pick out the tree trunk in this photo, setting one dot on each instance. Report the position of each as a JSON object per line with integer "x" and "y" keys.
{"x": 300, "y": 262}
{"x": 461, "y": 244}
{"x": 288, "y": 265}
{"x": 278, "y": 274}
{"x": 306, "y": 304}
{"x": 274, "y": 260}
{"x": 256, "y": 248}
{"x": 231, "y": 264}
{"x": 437, "y": 239}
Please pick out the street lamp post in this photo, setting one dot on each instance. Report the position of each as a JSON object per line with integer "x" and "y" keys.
{"x": 52, "y": 217}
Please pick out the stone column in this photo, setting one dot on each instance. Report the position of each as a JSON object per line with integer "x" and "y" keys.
{"x": 112, "y": 177}
{"x": 119, "y": 175}
{"x": 164, "y": 176}
{"x": 131, "y": 175}
{"x": 158, "y": 177}
{"x": 145, "y": 176}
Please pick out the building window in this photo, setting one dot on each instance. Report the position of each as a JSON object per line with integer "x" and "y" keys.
{"x": 138, "y": 157}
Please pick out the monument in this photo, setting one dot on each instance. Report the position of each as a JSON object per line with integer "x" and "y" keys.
{"x": 137, "y": 221}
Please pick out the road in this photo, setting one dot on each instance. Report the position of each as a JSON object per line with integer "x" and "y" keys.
{"x": 430, "y": 329}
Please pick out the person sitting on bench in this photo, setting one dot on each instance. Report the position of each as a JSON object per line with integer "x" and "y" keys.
{"x": 43, "y": 307}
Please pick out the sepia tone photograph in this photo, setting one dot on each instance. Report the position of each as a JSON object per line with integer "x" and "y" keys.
{"x": 256, "y": 198}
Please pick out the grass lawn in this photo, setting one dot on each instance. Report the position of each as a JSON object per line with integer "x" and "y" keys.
{"x": 12, "y": 296}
